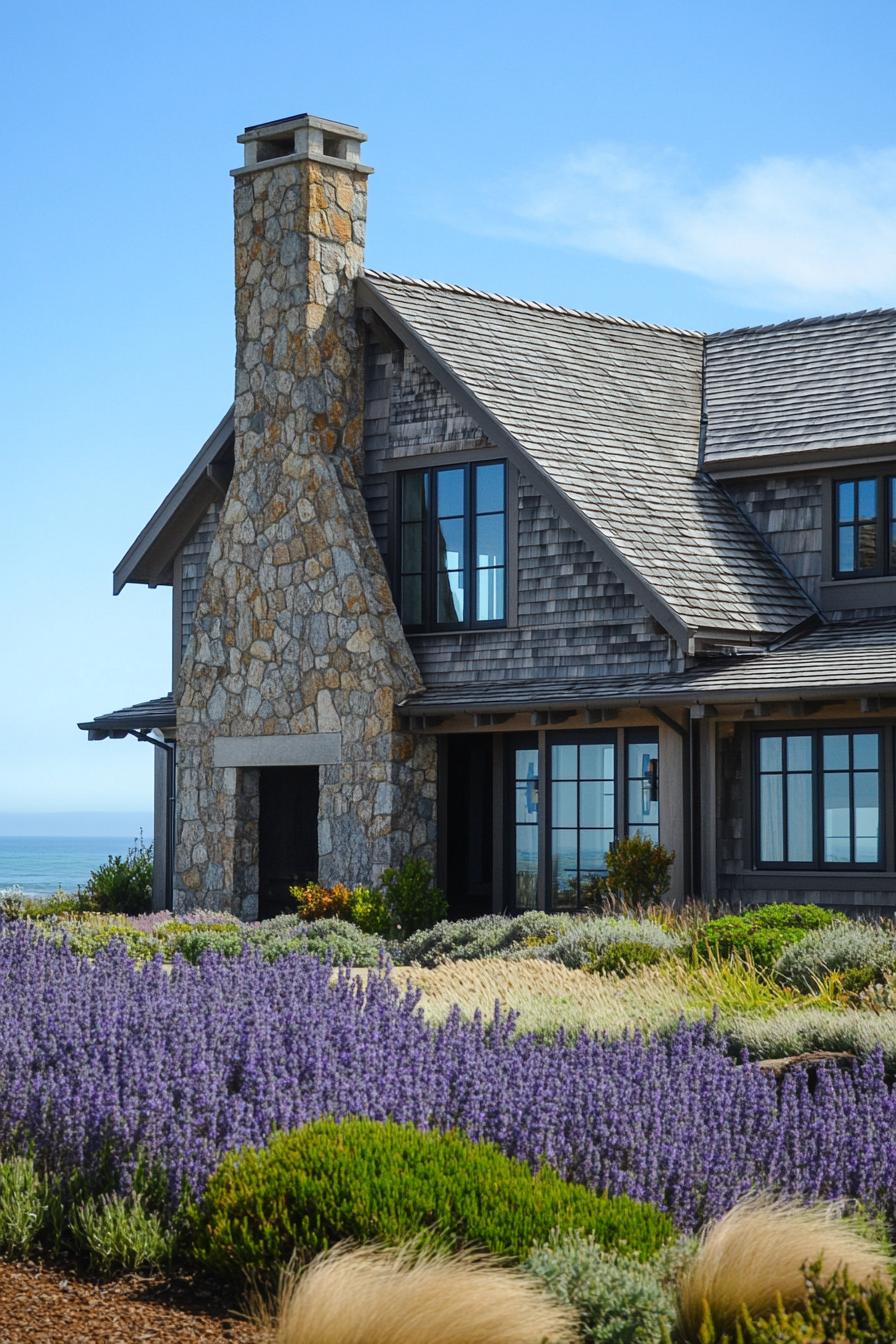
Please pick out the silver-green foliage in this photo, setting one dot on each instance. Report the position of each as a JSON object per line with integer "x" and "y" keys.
{"x": 488, "y": 936}
{"x": 793, "y": 1031}
{"x": 120, "y": 1233}
{"x": 841, "y": 947}
{"x": 620, "y": 1300}
{"x": 26, "y": 1206}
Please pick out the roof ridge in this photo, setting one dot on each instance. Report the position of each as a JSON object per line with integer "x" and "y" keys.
{"x": 532, "y": 304}
{"x": 791, "y": 322}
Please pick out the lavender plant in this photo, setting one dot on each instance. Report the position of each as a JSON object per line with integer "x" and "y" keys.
{"x": 107, "y": 1070}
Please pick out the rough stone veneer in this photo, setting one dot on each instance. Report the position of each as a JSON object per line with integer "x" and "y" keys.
{"x": 295, "y": 630}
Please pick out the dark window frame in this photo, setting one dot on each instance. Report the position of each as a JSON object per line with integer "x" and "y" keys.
{"x": 884, "y": 519}
{"x": 818, "y": 863}
{"x": 634, "y": 737}
{"x": 429, "y": 622}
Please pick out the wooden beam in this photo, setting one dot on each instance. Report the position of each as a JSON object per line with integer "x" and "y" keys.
{"x": 876, "y": 704}
{"x": 543, "y": 717}
{"x": 421, "y": 723}
{"x": 490, "y": 720}
{"x": 704, "y": 712}
{"x": 598, "y": 715}
{"x": 667, "y": 719}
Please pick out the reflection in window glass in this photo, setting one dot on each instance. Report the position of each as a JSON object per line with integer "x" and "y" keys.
{"x": 489, "y": 545}
{"x": 856, "y": 526}
{"x": 526, "y": 827}
{"x": 642, "y": 787}
{"x": 786, "y": 827}
{"x": 851, "y": 798}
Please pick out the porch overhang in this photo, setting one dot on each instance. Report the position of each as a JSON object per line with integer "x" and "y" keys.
{"x": 134, "y": 721}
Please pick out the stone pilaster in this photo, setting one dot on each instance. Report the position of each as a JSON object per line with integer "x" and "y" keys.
{"x": 295, "y": 629}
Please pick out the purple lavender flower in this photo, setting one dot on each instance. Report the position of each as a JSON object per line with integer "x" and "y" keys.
{"x": 103, "y": 1063}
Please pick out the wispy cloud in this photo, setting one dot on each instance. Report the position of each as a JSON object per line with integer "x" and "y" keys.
{"x": 780, "y": 231}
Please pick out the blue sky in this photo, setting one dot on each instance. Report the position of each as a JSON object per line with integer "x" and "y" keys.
{"x": 697, "y": 164}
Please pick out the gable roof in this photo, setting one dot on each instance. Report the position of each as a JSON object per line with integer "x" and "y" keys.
{"x": 818, "y": 385}
{"x": 608, "y": 412}
{"x": 148, "y": 558}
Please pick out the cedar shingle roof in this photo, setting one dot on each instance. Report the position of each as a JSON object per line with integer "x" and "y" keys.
{"x": 609, "y": 411}
{"x": 798, "y": 387}
{"x": 838, "y": 659}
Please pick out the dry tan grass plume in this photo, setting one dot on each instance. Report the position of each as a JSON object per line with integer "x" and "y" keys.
{"x": 758, "y": 1251}
{"x": 369, "y": 1295}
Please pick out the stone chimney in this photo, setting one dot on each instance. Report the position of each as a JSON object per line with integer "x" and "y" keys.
{"x": 297, "y": 655}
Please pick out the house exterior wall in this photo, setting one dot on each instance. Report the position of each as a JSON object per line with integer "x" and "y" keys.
{"x": 568, "y": 614}
{"x": 192, "y": 565}
{"x": 295, "y": 634}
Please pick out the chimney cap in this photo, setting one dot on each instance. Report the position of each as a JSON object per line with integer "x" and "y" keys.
{"x": 301, "y": 137}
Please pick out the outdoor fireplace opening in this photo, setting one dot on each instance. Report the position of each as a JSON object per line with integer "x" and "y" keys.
{"x": 287, "y": 835}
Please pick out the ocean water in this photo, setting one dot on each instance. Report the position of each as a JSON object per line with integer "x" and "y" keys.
{"x": 41, "y": 864}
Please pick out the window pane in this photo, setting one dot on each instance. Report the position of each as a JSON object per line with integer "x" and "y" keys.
{"x": 450, "y": 598}
{"x": 451, "y": 544}
{"x": 836, "y": 819}
{"x": 490, "y": 488}
{"x": 799, "y": 818}
{"x": 526, "y": 764}
{"x": 846, "y": 501}
{"x": 893, "y": 547}
{"x": 651, "y": 832}
{"x": 641, "y": 807}
{"x": 490, "y": 540}
{"x": 597, "y": 760}
{"x": 598, "y": 803}
{"x": 564, "y": 802}
{"x": 565, "y": 861}
{"x": 593, "y": 851}
{"x": 413, "y": 497}
{"x": 867, "y": 499}
{"x": 771, "y": 818}
{"x": 864, "y": 751}
{"x": 412, "y": 599}
{"x": 892, "y": 493}
{"x": 866, "y": 816}
{"x": 564, "y": 761}
{"x": 490, "y": 595}
{"x": 770, "y": 753}
{"x": 450, "y": 493}
{"x": 867, "y": 546}
{"x": 526, "y": 864}
{"x": 412, "y": 548}
{"x": 846, "y": 549}
{"x": 799, "y": 753}
{"x": 836, "y": 751}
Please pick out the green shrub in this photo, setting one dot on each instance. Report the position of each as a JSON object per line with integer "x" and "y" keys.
{"x": 846, "y": 948}
{"x": 123, "y": 886}
{"x": 761, "y": 934}
{"x": 117, "y": 1233}
{"x": 412, "y": 898}
{"x": 91, "y": 934}
{"x": 837, "y": 1312}
{"x": 368, "y": 911}
{"x": 364, "y": 1180}
{"x": 587, "y": 942}
{"x": 488, "y": 936}
{"x": 208, "y": 938}
{"x": 620, "y": 1300}
{"x": 794, "y": 1031}
{"x": 638, "y": 870}
{"x": 26, "y": 1206}
{"x": 624, "y": 957}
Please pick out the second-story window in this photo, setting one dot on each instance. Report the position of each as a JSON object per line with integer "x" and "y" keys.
{"x": 452, "y": 547}
{"x": 865, "y": 527}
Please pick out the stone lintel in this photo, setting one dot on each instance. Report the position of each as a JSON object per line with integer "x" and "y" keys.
{"x": 364, "y": 169}
{"x": 295, "y": 749}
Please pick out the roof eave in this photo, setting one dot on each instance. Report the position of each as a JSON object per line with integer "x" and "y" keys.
{"x": 148, "y": 558}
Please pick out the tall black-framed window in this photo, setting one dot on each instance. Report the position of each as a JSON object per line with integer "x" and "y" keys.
{"x": 523, "y": 758}
{"x": 864, "y": 540}
{"x": 818, "y": 798}
{"x": 642, "y": 783}
{"x": 452, "y": 546}
{"x": 582, "y": 822}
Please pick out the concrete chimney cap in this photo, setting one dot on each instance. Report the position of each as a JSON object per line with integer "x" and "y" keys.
{"x": 301, "y": 137}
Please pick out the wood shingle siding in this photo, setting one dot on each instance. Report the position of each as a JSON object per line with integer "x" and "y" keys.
{"x": 193, "y": 561}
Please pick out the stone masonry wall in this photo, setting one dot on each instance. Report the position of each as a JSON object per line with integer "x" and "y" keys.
{"x": 573, "y": 616}
{"x": 295, "y": 630}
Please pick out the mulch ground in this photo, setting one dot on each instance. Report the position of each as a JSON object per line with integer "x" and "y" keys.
{"x": 40, "y": 1305}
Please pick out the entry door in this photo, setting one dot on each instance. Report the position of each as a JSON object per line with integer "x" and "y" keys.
{"x": 287, "y": 835}
{"x": 467, "y": 775}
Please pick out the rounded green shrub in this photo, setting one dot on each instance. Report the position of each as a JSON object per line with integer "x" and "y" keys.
{"x": 861, "y": 952}
{"x": 761, "y": 934}
{"x": 365, "y": 1180}
{"x": 587, "y": 942}
{"x": 625, "y": 957}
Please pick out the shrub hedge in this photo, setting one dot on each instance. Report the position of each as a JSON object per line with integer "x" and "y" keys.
{"x": 842, "y": 947}
{"x": 761, "y": 934}
{"x": 366, "y": 1180}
